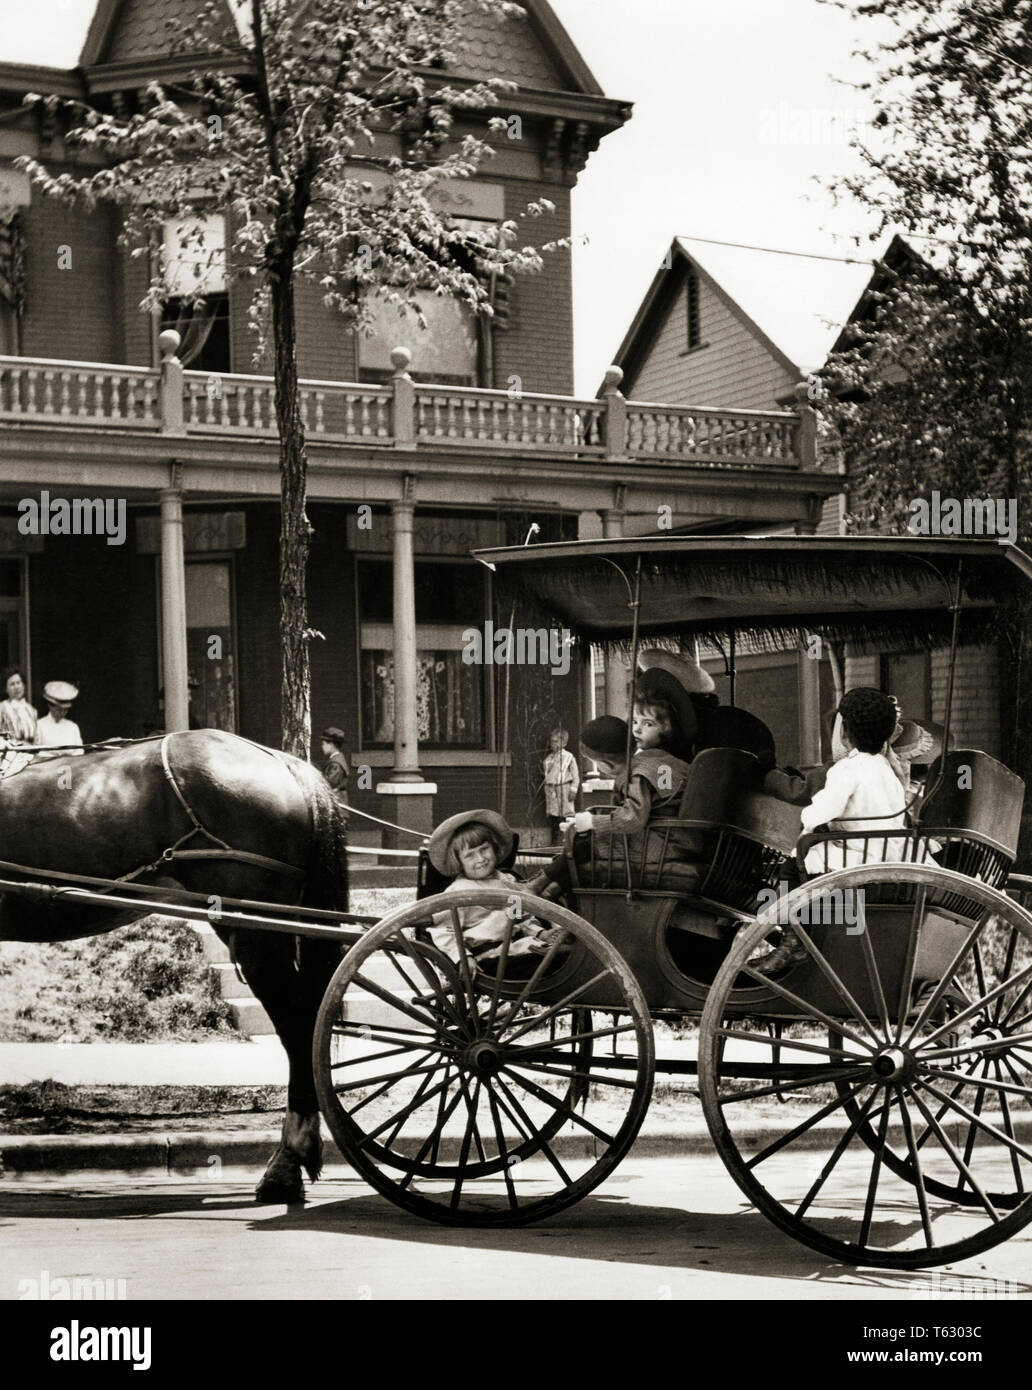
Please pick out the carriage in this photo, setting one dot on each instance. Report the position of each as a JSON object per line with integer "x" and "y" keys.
{"x": 886, "y": 1071}
{"x": 872, "y": 1098}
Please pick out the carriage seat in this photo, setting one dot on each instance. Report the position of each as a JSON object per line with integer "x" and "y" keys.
{"x": 974, "y": 812}
{"x": 728, "y": 840}
{"x": 748, "y": 834}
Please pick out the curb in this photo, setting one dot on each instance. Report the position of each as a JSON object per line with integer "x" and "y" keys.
{"x": 207, "y": 1153}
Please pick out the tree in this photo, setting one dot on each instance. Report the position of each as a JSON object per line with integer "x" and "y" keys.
{"x": 321, "y": 129}
{"x": 935, "y": 391}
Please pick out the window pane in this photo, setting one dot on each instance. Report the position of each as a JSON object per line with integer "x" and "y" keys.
{"x": 445, "y": 350}
{"x": 449, "y": 698}
{"x": 444, "y": 593}
{"x": 450, "y": 693}
{"x": 209, "y": 646}
{"x": 10, "y": 578}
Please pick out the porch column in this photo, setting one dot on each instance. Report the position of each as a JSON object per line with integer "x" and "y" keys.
{"x": 809, "y": 707}
{"x": 617, "y": 671}
{"x": 173, "y": 607}
{"x": 410, "y": 798}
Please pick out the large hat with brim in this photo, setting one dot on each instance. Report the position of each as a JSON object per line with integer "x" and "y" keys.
{"x": 659, "y": 683}
{"x": 442, "y": 837}
{"x": 918, "y": 743}
{"x": 60, "y": 693}
{"x": 689, "y": 674}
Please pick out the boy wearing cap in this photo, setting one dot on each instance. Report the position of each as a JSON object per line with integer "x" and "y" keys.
{"x": 335, "y": 769}
{"x": 55, "y": 729}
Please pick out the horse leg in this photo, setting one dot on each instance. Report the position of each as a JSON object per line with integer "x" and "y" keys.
{"x": 290, "y": 990}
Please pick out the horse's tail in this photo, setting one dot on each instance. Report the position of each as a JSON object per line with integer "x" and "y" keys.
{"x": 326, "y": 873}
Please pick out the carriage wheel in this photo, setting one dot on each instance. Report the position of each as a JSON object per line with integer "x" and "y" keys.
{"x": 483, "y": 1092}
{"x": 991, "y": 1069}
{"x": 905, "y": 1142}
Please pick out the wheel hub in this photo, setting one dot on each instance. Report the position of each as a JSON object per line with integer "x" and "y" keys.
{"x": 894, "y": 1064}
{"x": 484, "y": 1057}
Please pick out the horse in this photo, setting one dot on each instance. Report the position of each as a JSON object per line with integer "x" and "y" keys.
{"x": 210, "y": 813}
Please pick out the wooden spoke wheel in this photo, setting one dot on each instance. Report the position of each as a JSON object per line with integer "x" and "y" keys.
{"x": 983, "y": 1060}
{"x": 903, "y": 1056}
{"x": 486, "y": 1090}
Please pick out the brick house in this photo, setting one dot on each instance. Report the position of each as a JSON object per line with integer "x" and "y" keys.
{"x": 420, "y": 448}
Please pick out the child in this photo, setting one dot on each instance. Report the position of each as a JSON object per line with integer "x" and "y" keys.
{"x": 648, "y": 788}
{"x": 335, "y": 769}
{"x": 470, "y": 846}
{"x": 861, "y": 791}
{"x": 562, "y": 778}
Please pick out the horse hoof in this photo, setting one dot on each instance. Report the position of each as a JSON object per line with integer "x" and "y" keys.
{"x": 280, "y": 1191}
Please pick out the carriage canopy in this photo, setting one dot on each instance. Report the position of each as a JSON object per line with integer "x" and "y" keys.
{"x": 857, "y": 588}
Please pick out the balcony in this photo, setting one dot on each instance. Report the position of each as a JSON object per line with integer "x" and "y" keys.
{"x": 423, "y": 420}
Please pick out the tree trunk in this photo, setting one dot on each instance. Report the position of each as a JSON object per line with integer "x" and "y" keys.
{"x": 295, "y": 703}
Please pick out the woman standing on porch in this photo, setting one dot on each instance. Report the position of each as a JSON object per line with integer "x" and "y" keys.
{"x": 17, "y": 717}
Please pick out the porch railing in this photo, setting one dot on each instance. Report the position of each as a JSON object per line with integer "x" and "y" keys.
{"x": 402, "y": 414}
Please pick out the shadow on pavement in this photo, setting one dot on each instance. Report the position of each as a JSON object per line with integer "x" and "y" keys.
{"x": 607, "y": 1228}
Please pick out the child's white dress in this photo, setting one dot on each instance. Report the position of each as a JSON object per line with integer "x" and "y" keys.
{"x": 562, "y": 778}
{"x": 478, "y": 924}
{"x": 859, "y": 785}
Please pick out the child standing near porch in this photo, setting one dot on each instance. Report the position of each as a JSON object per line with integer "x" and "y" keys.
{"x": 562, "y": 780}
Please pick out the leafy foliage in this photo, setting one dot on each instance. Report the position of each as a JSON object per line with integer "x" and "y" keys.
{"x": 935, "y": 390}
{"x": 146, "y": 982}
{"x": 323, "y": 131}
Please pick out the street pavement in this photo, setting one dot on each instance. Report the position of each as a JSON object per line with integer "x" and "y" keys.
{"x": 658, "y": 1229}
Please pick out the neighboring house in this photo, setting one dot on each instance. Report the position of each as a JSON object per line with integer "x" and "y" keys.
{"x": 693, "y": 341}
{"x": 408, "y": 470}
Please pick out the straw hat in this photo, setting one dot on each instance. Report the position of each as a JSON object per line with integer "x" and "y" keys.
{"x": 918, "y": 743}
{"x": 60, "y": 693}
{"x": 442, "y": 837}
{"x": 689, "y": 674}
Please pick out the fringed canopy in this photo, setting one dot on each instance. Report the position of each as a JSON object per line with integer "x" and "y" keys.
{"x": 896, "y": 590}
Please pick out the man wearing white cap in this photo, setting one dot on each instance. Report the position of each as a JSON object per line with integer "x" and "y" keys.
{"x": 55, "y": 729}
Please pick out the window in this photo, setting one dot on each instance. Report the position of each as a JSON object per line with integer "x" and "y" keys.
{"x": 445, "y": 352}
{"x": 193, "y": 263}
{"x": 449, "y": 351}
{"x": 12, "y": 615}
{"x": 210, "y": 651}
{"x": 692, "y": 301}
{"x": 907, "y": 676}
{"x": 450, "y": 693}
{"x": 203, "y": 330}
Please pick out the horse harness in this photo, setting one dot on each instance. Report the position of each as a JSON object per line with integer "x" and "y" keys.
{"x": 222, "y": 851}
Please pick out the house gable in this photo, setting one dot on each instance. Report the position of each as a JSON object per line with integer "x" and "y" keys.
{"x": 735, "y": 364}
{"x": 535, "y": 52}
{"x": 126, "y": 31}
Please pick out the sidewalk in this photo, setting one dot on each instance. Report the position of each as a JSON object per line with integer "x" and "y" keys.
{"x": 213, "y": 1072}
{"x": 259, "y": 1061}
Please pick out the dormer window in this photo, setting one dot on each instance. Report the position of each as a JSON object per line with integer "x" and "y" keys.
{"x": 692, "y": 302}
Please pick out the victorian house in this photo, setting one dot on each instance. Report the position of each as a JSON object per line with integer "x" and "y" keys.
{"x": 420, "y": 449}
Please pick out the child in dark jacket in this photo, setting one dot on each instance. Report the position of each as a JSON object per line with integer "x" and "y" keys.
{"x": 647, "y": 789}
